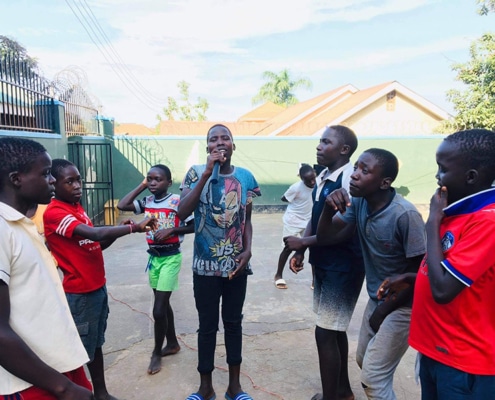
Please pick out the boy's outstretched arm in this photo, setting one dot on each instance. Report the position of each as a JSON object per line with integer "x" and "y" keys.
{"x": 331, "y": 229}
{"x": 103, "y": 233}
{"x": 17, "y": 358}
{"x": 127, "y": 202}
{"x": 444, "y": 287}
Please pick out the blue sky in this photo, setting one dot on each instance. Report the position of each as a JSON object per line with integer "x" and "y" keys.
{"x": 222, "y": 47}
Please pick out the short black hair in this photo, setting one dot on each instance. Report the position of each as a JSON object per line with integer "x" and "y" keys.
{"x": 58, "y": 164}
{"x": 387, "y": 160}
{"x": 18, "y": 154}
{"x": 305, "y": 168}
{"x": 477, "y": 147}
{"x": 165, "y": 169}
{"x": 219, "y": 126}
{"x": 348, "y": 136}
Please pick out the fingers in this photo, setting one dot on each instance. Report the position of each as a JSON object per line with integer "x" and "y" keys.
{"x": 338, "y": 200}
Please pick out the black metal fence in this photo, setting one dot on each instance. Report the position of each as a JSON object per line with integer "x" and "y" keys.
{"x": 25, "y": 99}
{"x": 94, "y": 161}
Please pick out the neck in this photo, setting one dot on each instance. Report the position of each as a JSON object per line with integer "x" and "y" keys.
{"x": 12, "y": 201}
{"x": 378, "y": 200}
{"x": 336, "y": 165}
{"x": 160, "y": 196}
{"x": 226, "y": 168}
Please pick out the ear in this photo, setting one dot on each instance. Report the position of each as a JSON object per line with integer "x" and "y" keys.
{"x": 386, "y": 183}
{"x": 170, "y": 183}
{"x": 345, "y": 149}
{"x": 472, "y": 176}
{"x": 207, "y": 150}
{"x": 15, "y": 178}
{"x": 233, "y": 146}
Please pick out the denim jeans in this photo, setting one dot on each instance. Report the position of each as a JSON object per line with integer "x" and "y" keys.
{"x": 378, "y": 355}
{"x": 441, "y": 382}
{"x": 207, "y": 293}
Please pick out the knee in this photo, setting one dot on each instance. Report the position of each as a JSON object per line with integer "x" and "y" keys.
{"x": 159, "y": 314}
{"x": 233, "y": 325}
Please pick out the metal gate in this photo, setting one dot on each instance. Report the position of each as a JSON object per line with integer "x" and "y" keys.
{"x": 94, "y": 161}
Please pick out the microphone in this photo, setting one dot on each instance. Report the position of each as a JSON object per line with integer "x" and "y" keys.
{"x": 216, "y": 170}
{"x": 214, "y": 174}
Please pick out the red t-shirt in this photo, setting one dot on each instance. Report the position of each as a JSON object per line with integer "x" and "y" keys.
{"x": 461, "y": 334}
{"x": 80, "y": 259}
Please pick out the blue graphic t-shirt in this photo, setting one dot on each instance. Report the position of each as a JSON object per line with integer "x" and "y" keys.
{"x": 220, "y": 219}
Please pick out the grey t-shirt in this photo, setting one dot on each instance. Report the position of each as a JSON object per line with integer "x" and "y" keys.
{"x": 388, "y": 237}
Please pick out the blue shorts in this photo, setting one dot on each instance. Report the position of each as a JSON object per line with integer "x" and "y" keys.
{"x": 441, "y": 382}
{"x": 334, "y": 297}
{"x": 90, "y": 313}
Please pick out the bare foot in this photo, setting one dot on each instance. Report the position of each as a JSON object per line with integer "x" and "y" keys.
{"x": 168, "y": 351}
{"x": 155, "y": 364}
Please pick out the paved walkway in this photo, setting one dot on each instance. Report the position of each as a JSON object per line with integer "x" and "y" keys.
{"x": 280, "y": 359}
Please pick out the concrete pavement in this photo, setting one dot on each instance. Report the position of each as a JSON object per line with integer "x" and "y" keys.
{"x": 279, "y": 354}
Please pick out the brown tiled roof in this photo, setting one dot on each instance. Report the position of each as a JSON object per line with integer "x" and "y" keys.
{"x": 133, "y": 130}
{"x": 327, "y": 115}
{"x": 304, "y": 112}
{"x": 302, "y": 119}
{"x": 262, "y": 113}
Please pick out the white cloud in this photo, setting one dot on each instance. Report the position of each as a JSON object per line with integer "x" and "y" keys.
{"x": 206, "y": 43}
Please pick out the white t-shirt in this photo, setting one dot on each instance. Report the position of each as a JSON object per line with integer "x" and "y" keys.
{"x": 298, "y": 211}
{"x": 39, "y": 313}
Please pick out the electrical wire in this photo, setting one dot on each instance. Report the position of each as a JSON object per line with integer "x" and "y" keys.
{"x": 137, "y": 94}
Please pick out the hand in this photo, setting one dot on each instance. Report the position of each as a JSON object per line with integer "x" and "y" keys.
{"x": 391, "y": 287}
{"x": 75, "y": 392}
{"x": 213, "y": 157}
{"x": 293, "y": 243}
{"x": 296, "y": 263}
{"x": 146, "y": 225}
{"x": 438, "y": 202}
{"x": 145, "y": 182}
{"x": 338, "y": 200}
{"x": 242, "y": 261}
{"x": 376, "y": 319}
{"x": 162, "y": 234}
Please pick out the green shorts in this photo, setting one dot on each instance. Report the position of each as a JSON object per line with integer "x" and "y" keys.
{"x": 164, "y": 272}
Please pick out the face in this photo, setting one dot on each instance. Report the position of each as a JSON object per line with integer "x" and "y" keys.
{"x": 158, "y": 182}
{"x": 329, "y": 150}
{"x": 452, "y": 171}
{"x": 68, "y": 187}
{"x": 309, "y": 179}
{"x": 36, "y": 185}
{"x": 219, "y": 139}
{"x": 367, "y": 177}
{"x": 225, "y": 216}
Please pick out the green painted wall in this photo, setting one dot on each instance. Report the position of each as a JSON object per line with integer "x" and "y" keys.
{"x": 273, "y": 161}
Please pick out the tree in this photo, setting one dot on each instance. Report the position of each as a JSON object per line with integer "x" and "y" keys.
{"x": 17, "y": 66}
{"x": 184, "y": 110}
{"x": 279, "y": 88}
{"x": 485, "y": 6}
{"x": 475, "y": 106}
